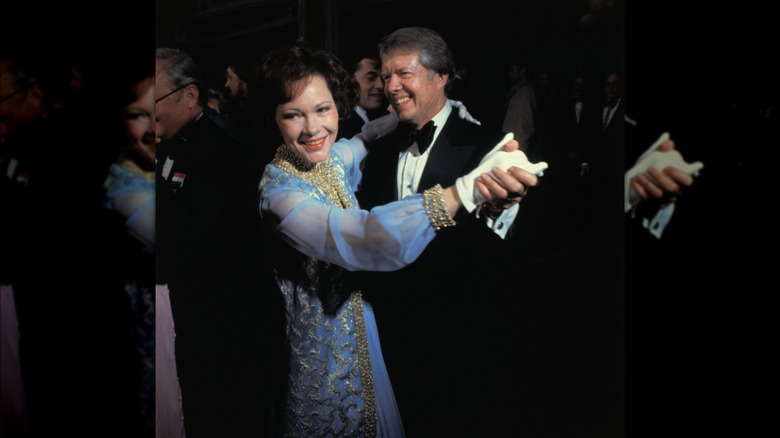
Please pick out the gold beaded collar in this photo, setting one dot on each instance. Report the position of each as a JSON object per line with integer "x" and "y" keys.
{"x": 133, "y": 167}
{"x": 285, "y": 155}
{"x": 321, "y": 175}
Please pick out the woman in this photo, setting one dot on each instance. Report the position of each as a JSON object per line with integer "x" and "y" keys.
{"x": 130, "y": 207}
{"x": 337, "y": 381}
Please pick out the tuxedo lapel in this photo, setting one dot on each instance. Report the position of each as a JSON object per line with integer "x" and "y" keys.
{"x": 617, "y": 117}
{"x": 450, "y": 157}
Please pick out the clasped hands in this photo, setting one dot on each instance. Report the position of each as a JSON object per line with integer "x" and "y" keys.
{"x": 659, "y": 177}
{"x": 502, "y": 189}
{"x": 501, "y": 179}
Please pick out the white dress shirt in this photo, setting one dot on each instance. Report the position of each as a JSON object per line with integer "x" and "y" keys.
{"x": 609, "y": 112}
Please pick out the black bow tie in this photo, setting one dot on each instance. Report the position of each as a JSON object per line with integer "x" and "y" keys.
{"x": 423, "y": 136}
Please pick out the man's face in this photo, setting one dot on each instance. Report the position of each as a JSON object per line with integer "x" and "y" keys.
{"x": 232, "y": 81}
{"x": 371, "y": 87}
{"x": 415, "y": 93}
{"x": 578, "y": 87}
{"x": 612, "y": 88}
{"x": 171, "y": 112}
{"x": 515, "y": 73}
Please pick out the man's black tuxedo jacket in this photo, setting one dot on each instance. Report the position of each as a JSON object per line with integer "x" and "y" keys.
{"x": 456, "y": 151}
{"x": 208, "y": 252}
{"x": 350, "y": 125}
{"x": 445, "y": 301}
{"x": 353, "y": 123}
{"x": 200, "y": 221}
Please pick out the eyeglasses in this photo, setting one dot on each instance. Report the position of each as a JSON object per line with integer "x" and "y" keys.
{"x": 169, "y": 93}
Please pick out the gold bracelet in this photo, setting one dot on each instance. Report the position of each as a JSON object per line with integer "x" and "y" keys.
{"x": 436, "y": 208}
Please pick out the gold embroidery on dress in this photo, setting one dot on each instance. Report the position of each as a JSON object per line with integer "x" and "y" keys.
{"x": 324, "y": 177}
{"x": 365, "y": 366}
{"x": 132, "y": 167}
{"x": 321, "y": 175}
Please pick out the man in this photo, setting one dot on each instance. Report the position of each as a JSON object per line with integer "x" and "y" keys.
{"x": 371, "y": 102}
{"x": 601, "y": 154}
{"x": 208, "y": 256}
{"x": 236, "y": 86}
{"x": 236, "y": 95}
{"x": 520, "y": 117}
{"x": 460, "y": 87}
{"x": 440, "y": 318}
{"x": 613, "y": 111}
{"x": 53, "y": 256}
{"x": 235, "y": 116}
{"x": 29, "y": 125}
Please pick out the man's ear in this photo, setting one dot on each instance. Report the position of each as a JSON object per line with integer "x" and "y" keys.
{"x": 35, "y": 94}
{"x": 443, "y": 79}
{"x": 192, "y": 92}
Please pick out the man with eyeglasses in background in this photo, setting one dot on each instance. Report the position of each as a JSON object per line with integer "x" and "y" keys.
{"x": 26, "y": 132}
{"x": 208, "y": 267}
{"x": 65, "y": 358}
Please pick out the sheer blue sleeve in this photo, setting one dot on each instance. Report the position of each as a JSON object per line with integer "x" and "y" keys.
{"x": 133, "y": 197}
{"x": 352, "y": 152}
{"x": 386, "y": 238}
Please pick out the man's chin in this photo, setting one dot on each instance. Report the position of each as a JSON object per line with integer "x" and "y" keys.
{"x": 404, "y": 116}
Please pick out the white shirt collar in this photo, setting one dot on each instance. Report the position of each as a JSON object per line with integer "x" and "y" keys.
{"x": 439, "y": 120}
{"x": 411, "y": 164}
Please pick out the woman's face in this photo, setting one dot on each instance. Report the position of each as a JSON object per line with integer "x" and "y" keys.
{"x": 309, "y": 123}
{"x": 139, "y": 122}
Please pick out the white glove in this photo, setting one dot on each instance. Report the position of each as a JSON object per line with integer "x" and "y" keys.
{"x": 465, "y": 185}
{"x": 379, "y": 127}
{"x": 652, "y": 157}
{"x": 462, "y": 111}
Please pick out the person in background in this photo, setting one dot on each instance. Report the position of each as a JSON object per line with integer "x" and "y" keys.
{"x": 371, "y": 103}
{"x": 130, "y": 207}
{"x": 235, "y": 107}
{"x": 521, "y": 106}
{"x": 216, "y": 100}
{"x": 208, "y": 253}
{"x": 235, "y": 86}
{"x": 460, "y": 87}
{"x": 71, "y": 328}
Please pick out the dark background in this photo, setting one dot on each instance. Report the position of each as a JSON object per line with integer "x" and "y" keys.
{"x": 566, "y": 337}
{"x": 486, "y": 36}
{"x": 690, "y": 309}
{"x": 692, "y": 355}
{"x": 76, "y": 345}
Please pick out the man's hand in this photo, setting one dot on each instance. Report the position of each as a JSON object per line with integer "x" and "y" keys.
{"x": 511, "y": 145}
{"x": 662, "y": 186}
{"x": 508, "y": 188}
